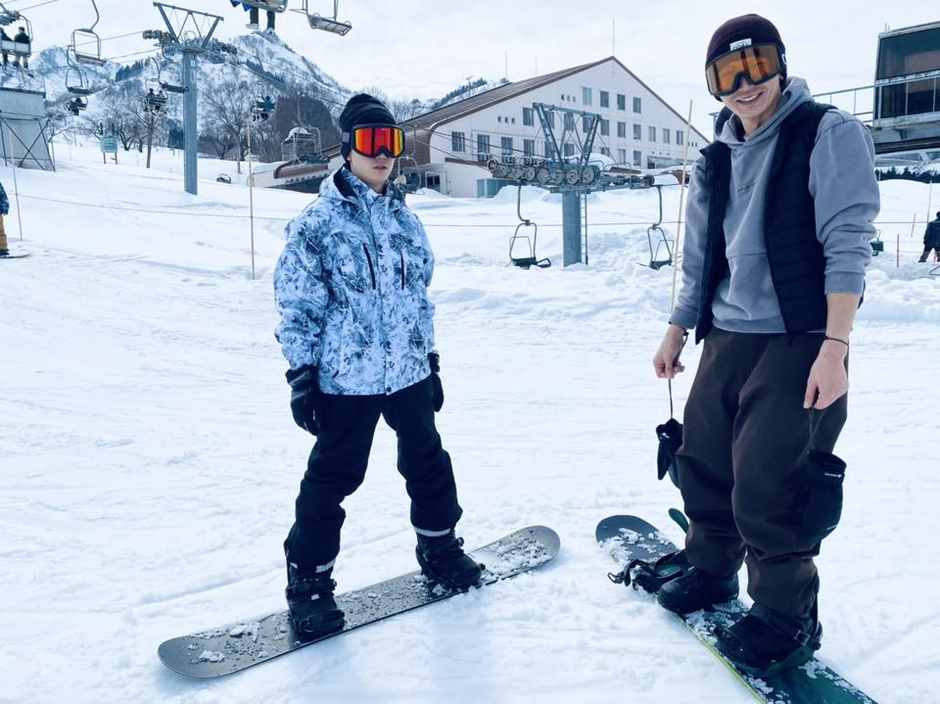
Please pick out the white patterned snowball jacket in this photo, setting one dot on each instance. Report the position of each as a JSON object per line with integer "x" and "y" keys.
{"x": 351, "y": 289}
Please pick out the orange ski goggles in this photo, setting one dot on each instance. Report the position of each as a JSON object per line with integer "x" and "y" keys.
{"x": 757, "y": 64}
{"x": 372, "y": 140}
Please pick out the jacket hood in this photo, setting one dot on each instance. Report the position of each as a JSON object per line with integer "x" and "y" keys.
{"x": 795, "y": 93}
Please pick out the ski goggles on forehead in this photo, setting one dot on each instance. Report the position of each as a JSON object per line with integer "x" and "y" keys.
{"x": 372, "y": 140}
{"x": 757, "y": 64}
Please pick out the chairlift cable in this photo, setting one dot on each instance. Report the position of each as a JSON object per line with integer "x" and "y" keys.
{"x": 31, "y": 7}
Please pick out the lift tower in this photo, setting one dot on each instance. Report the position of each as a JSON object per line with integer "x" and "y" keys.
{"x": 191, "y": 37}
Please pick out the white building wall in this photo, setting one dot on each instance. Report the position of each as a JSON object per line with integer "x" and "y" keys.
{"x": 654, "y": 122}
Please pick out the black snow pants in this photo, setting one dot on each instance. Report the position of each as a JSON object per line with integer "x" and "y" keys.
{"x": 337, "y": 466}
{"x": 743, "y": 464}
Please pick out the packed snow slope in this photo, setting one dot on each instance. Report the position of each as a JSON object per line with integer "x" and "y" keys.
{"x": 149, "y": 463}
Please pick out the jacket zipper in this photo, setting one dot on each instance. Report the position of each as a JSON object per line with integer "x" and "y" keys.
{"x": 402, "y": 254}
{"x": 371, "y": 268}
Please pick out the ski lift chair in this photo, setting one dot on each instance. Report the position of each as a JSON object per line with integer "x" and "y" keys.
{"x": 77, "y": 105}
{"x": 263, "y": 108}
{"x": 156, "y": 99}
{"x": 81, "y": 37}
{"x": 327, "y": 24}
{"x": 528, "y": 257}
{"x": 662, "y": 241}
{"x": 75, "y": 82}
{"x": 19, "y": 49}
{"x": 877, "y": 245}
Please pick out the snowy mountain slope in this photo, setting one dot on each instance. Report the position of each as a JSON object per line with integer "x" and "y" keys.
{"x": 264, "y": 52}
{"x": 149, "y": 462}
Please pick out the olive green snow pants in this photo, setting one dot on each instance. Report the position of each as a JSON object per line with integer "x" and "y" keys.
{"x": 742, "y": 464}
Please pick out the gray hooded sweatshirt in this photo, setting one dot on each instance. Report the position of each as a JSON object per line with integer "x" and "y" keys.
{"x": 847, "y": 200}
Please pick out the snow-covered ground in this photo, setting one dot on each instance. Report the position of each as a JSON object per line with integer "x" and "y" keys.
{"x": 149, "y": 463}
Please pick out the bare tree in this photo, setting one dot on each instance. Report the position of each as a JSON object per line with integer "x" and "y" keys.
{"x": 227, "y": 107}
{"x": 112, "y": 112}
{"x": 404, "y": 108}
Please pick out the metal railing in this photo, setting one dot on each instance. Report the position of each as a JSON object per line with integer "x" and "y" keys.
{"x": 899, "y": 98}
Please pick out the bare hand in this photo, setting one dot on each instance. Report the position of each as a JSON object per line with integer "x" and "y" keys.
{"x": 666, "y": 360}
{"x": 828, "y": 380}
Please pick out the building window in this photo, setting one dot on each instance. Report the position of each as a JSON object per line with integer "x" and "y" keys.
{"x": 621, "y": 101}
{"x": 637, "y": 158}
{"x": 569, "y": 149}
{"x": 622, "y": 156}
{"x": 551, "y": 118}
{"x": 513, "y": 120}
{"x": 605, "y": 99}
{"x": 569, "y": 121}
{"x": 605, "y": 151}
{"x": 483, "y": 146}
{"x": 528, "y": 119}
{"x": 586, "y": 123}
{"x": 637, "y": 106}
{"x": 680, "y": 137}
{"x": 587, "y": 97}
{"x": 622, "y": 130}
{"x": 506, "y": 144}
{"x": 528, "y": 147}
{"x": 548, "y": 149}
{"x": 499, "y": 118}
{"x": 666, "y": 136}
{"x": 637, "y": 131}
{"x": 652, "y": 134}
{"x": 458, "y": 142}
{"x": 605, "y": 128}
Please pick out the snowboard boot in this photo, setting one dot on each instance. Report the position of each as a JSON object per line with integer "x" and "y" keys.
{"x": 4, "y": 252}
{"x": 766, "y": 641}
{"x": 443, "y": 560}
{"x": 694, "y": 590}
{"x": 313, "y": 610}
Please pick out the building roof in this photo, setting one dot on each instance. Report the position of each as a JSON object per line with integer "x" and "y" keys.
{"x": 430, "y": 121}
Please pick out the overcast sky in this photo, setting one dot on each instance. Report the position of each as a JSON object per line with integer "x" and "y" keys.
{"x": 424, "y": 48}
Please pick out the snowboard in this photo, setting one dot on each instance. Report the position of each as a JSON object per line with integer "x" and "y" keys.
{"x": 16, "y": 256}
{"x": 223, "y": 651}
{"x": 627, "y": 537}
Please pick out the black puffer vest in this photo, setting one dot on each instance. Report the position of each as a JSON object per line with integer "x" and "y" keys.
{"x": 797, "y": 263}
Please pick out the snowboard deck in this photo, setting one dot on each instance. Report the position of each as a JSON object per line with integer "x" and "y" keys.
{"x": 629, "y": 537}
{"x": 16, "y": 256}
{"x": 229, "y": 649}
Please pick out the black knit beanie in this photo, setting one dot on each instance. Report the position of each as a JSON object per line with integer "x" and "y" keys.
{"x": 362, "y": 109}
{"x": 755, "y": 28}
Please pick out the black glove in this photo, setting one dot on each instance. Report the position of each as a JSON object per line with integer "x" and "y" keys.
{"x": 304, "y": 398}
{"x": 434, "y": 359}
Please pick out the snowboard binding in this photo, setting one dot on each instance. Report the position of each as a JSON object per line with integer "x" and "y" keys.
{"x": 651, "y": 575}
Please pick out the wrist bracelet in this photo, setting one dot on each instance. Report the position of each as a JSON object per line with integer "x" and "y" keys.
{"x": 836, "y": 339}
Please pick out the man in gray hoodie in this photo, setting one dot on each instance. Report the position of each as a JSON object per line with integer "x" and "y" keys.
{"x": 779, "y": 217}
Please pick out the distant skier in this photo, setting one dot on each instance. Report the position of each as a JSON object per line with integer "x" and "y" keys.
{"x": 931, "y": 238}
{"x": 253, "y": 15}
{"x": 4, "y": 211}
{"x": 6, "y": 54}
{"x": 357, "y": 329}
{"x": 22, "y": 38}
{"x": 780, "y": 213}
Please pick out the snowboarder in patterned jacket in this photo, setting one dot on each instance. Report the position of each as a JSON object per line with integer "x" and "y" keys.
{"x": 4, "y": 210}
{"x": 357, "y": 330}
{"x": 931, "y": 239}
{"x": 781, "y": 209}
